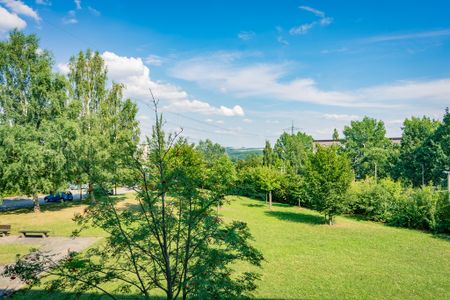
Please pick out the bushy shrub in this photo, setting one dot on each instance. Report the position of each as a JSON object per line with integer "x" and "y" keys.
{"x": 422, "y": 209}
{"x": 375, "y": 201}
{"x": 388, "y": 201}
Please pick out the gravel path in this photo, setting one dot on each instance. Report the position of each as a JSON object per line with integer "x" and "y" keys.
{"x": 59, "y": 246}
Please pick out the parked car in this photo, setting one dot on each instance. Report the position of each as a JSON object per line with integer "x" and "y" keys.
{"x": 59, "y": 197}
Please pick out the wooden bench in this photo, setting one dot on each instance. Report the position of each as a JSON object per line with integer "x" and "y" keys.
{"x": 41, "y": 233}
{"x": 5, "y": 230}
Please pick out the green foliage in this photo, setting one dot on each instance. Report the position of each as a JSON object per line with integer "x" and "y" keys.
{"x": 326, "y": 181}
{"x": 293, "y": 150}
{"x": 388, "y": 201}
{"x": 171, "y": 240}
{"x": 368, "y": 148}
{"x": 413, "y": 164}
{"x": 375, "y": 200}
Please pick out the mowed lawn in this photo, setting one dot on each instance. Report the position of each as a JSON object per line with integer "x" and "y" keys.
{"x": 306, "y": 259}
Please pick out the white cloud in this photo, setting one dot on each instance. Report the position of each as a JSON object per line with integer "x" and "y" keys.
{"x": 302, "y": 29}
{"x": 317, "y": 12}
{"x": 9, "y": 21}
{"x": 78, "y": 4}
{"x": 305, "y": 28}
{"x": 281, "y": 40}
{"x": 19, "y": 8}
{"x": 154, "y": 60}
{"x": 63, "y": 68}
{"x": 248, "y": 121}
{"x": 71, "y": 18}
{"x": 135, "y": 75}
{"x": 43, "y": 2}
{"x": 246, "y": 35}
{"x": 341, "y": 117}
{"x": 93, "y": 11}
{"x": 268, "y": 81}
{"x": 408, "y": 36}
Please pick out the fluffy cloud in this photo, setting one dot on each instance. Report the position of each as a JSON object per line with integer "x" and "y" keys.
{"x": 266, "y": 80}
{"x": 135, "y": 75}
{"x": 10, "y": 21}
{"x": 19, "y": 8}
{"x": 154, "y": 60}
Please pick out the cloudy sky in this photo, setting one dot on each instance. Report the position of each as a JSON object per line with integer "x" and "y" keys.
{"x": 240, "y": 72}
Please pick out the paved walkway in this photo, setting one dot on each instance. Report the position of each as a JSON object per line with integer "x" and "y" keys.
{"x": 58, "y": 246}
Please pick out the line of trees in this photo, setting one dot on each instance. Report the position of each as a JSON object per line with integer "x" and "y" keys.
{"x": 55, "y": 129}
{"x": 321, "y": 177}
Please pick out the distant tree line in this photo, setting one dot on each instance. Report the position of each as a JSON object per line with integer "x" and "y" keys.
{"x": 341, "y": 178}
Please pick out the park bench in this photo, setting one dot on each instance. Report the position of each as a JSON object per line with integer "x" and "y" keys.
{"x": 5, "y": 230}
{"x": 41, "y": 233}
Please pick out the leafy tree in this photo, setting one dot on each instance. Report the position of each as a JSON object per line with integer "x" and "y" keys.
{"x": 335, "y": 136}
{"x": 211, "y": 151}
{"x": 109, "y": 132}
{"x": 171, "y": 240}
{"x": 32, "y": 98}
{"x": 269, "y": 179}
{"x": 369, "y": 149}
{"x": 437, "y": 150}
{"x": 413, "y": 165}
{"x": 326, "y": 181}
{"x": 268, "y": 156}
{"x": 293, "y": 150}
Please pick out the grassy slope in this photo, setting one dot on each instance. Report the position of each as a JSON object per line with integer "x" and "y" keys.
{"x": 352, "y": 259}
{"x": 308, "y": 260}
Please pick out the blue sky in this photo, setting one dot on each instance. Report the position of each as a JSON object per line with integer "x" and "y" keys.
{"x": 239, "y": 72}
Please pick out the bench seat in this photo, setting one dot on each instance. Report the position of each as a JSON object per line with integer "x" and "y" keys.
{"x": 42, "y": 233}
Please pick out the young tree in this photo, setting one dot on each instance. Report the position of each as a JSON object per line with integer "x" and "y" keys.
{"x": 326, "y": 181}
{"x": 171, "y": 240}
{"x": 269, "y": 179}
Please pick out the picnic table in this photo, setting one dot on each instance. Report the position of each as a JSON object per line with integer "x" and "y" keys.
{"x": 5, "y": 230}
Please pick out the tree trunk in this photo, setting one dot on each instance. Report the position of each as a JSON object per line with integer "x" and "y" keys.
{"x": 270, "y": 200}
{"x": 299, "y": 203}
{"x": 91, "y": 192}
{"x": 115, "y": 189}
{"x": 81, "y": 192}
{"x": 37, "y": 207}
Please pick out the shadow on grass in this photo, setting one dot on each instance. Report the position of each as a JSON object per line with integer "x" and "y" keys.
{"x": 57, "y": 295}
{"x": 296, "y": 217}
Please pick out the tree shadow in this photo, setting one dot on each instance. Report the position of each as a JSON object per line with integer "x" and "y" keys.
{"x": 255, "y": 205}
{"x": 54, "y": 295}
{"x": 296, "y": 217}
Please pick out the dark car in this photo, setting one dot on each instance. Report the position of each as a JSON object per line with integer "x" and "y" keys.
{"x": 59, "y": 197}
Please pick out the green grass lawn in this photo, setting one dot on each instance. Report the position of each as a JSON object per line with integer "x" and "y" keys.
{"x": 8, "y": 252}
{"x": 305, "y": 259}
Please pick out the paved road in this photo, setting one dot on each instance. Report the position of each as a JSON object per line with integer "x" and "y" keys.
{"x": 15, "y": 203}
